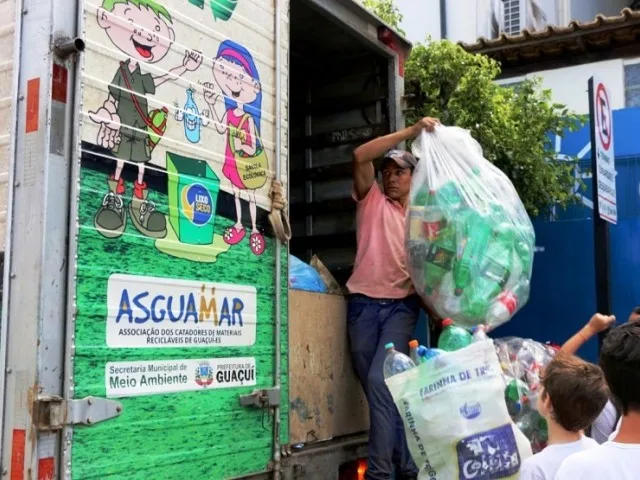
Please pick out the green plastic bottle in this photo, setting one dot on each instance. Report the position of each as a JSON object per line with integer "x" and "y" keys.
{"x": 453, "y": 337}
{"x": 449, "y": 198}
{"x": 439, "y": 261}
{"x": 421, "y": 197}
{"x": 524, "y": 250}
{"x": 516, "y": 394}
{"x": 476, "y": 231}
{"x": 494, "y": 273}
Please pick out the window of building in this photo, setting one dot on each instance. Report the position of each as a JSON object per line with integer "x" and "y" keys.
{"x": 632, "y": 85}
{"x": 512, "y": 17}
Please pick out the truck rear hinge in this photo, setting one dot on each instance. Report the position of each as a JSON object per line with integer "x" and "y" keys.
{"x": 54, "y": 413}
{"x": 267, "y": 398}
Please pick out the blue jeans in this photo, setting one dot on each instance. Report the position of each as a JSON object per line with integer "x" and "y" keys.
{"x": 371, "y": 324}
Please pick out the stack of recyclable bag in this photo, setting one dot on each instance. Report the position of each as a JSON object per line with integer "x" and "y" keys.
{"x": 470, "y": 249}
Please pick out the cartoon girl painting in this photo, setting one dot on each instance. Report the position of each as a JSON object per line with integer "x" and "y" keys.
{"x": 245, "y": 161}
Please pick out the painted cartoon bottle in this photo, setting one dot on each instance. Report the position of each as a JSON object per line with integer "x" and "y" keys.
{"x": 192, "y": 118}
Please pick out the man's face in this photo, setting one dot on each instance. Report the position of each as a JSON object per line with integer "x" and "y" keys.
{"x": 396, "y": 181}
{"x": 137, "y": 31}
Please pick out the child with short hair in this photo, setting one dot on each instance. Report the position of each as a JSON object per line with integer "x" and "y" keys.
{"x": 573, "y": 394}
{"x": 619, "y": 458}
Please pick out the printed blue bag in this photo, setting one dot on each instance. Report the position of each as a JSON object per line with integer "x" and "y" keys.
{"x": 456, "y": 419}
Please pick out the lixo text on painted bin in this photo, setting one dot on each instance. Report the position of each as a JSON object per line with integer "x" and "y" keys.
{"x": 151, "y": 312}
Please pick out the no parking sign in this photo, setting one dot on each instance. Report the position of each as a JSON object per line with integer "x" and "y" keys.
{"x": 604, "y": 170}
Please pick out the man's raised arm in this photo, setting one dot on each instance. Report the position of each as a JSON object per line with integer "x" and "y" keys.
{"x": 364, "y": 155}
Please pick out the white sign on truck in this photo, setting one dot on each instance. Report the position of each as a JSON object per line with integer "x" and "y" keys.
{"x": 151, "y": 312}
{"x": 602, "y": 148}
{"x": 126, "y": 379}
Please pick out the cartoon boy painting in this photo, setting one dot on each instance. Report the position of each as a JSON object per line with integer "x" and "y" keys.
{"x": 245, "y": 162}
{"x": 141, "y": 29}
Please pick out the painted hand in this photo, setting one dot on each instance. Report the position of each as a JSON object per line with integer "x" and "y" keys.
{"x": 109, "y": 133}
{"x": 210, "y": 95}
{"x": 192, "y": 60}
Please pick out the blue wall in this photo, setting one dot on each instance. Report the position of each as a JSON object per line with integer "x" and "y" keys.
{"x": 563, "y": 284}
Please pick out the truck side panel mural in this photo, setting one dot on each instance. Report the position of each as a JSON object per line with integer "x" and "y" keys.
{"x": 175, "y": 266}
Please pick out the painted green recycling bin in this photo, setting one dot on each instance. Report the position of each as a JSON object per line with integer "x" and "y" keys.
{"x": 193, "y": 195}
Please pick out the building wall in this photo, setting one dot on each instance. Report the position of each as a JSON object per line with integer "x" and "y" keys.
{"x": 422, "y": 18}
{"x": 569, "y": 85}
{"x": 585, "y": 10}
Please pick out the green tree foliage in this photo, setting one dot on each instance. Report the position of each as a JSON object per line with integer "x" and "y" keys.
{"x": 387, "y": 11}
{"x": 511, "y": 124}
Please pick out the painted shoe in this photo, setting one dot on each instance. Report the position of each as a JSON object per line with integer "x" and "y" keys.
{"x": 234, "y": 235}
{"x": 257, "y": 244}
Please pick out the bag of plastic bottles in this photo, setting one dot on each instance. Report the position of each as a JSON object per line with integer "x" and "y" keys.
{"x": 304, "y": 277}
{"x": 470, "y": 241}
{"x": 522, "y": 361}
{"x": 455, "y": 419}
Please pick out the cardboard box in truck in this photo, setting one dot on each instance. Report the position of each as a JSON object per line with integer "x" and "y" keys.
{"x": 147, "y": 323}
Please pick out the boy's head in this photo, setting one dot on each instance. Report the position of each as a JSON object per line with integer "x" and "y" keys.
{"x": 620, "y": 361}
{"x": 635, "y": 315}
{"x": 139, "y": 28}
{"x": 574, "y": 392}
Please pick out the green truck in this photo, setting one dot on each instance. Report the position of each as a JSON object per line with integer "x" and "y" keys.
{"x": 148, "y": 330}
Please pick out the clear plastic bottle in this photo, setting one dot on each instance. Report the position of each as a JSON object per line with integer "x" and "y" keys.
{"x": 396, "y": 362}
{"x": 413, "y": 352}
{"x": 480, "y": 333}
{"x": 507, "y": 303}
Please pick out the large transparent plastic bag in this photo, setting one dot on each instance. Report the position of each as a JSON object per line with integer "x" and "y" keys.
{"x": 522, "y": 361}
{"x": 470, "y": 241}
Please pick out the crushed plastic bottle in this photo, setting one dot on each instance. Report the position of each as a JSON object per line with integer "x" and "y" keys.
{"x": 395, "y": 362}
{"x": 439, "y": 261}
{"x": 507, "y": 303}
{"x": 453, "y": 337}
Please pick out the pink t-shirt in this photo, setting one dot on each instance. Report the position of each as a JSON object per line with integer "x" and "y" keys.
{"x": 380, "y": 269}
